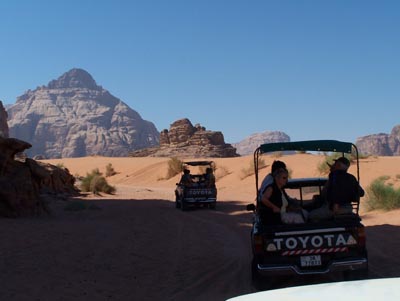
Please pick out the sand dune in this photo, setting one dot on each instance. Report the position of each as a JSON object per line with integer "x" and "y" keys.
{"x": 148, "y": 174}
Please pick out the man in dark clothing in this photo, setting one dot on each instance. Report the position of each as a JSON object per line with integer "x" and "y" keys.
{"x": 186, "y": 179}
{"x": 343, "y": 188}
{"x": 339, "y": 192}
{"x": 209, "y": 178}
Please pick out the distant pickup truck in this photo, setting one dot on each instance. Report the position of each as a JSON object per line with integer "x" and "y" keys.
{"x": 198, "y": 193}
{"x": 337, "y": 244}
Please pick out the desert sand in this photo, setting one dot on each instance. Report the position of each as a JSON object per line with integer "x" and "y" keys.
{"x": 135, "y": 245}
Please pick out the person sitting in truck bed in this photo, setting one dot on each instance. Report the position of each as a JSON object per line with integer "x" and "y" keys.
{"x": 186, "y": 179}
{"x": 268, "y": 179}
{"x": 275, "y": 204}
{"x": 209, "y": 178}
{"x": 339, "y": 192}
{"x": 343, "y": 188}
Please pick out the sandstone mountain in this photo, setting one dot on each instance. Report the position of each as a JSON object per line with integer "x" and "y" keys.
{"x": 184, "y": 140}
{"x": 249, "y": 144}
{"x": 74, "y": 117}
{"x": 380, "y": 144}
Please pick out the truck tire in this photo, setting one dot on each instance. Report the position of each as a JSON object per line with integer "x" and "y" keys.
{"x": 260, "y": 283}
{"x": 177, "y": 203}
{"x": 183, "y": 205}
{"x": 177, "y": 200}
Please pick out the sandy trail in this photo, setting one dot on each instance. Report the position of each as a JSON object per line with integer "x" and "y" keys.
{"x": 127, "y": 250}
{"x": 137, "y": 246}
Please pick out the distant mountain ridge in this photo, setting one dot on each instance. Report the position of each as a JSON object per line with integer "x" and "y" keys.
{"x": 380, "y": 144}
{"x": 74, "y": 117}
{"x": 250, "y": 143}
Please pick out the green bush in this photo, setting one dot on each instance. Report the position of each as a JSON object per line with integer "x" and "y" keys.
{"x": 277, "y": 154}
{"x": 221, "y": 172}
{"x": 110, "y": 170}
{"x": 382, "y": 196}
{"x": 174, "y": 167}
{"x": 248, "y": 171}
{"x": 323, "y": 167}
{"x": 94, "y": 182}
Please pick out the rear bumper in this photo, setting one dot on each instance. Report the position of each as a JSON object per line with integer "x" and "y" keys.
{"x": 199, "y": 200}
{"x": 334, "y": 266}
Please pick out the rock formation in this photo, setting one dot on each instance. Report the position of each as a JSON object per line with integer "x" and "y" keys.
{"x": 248, "y": 145}
{"x": 4, "y": 132}
{"x": 25, "y": 184}
{"x": 74, "y": 117}
{"x": 184, "y": 140}
{"x": 380, "y": 144}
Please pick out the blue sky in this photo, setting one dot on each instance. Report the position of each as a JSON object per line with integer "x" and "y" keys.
{"x": 312, "y": 69}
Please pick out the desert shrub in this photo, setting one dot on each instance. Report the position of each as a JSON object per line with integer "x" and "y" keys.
{"x": 290, "y": 173}
{"x": 85, "y": 181}
{"x": 360, "y": 156}
{"x": 261, "y": 163}
{"x": 248, "y": 171}
{"x": 174, "y": 167}
{"x": 323, "y": 167}
{"x": 277, "y": 154}
{"x": 60, "y": 165}
{"x": 221, "y": 172}
{"x": 110, "y": 170}
{"x": 94, "y": 182}
{"x": 382, "y": 196}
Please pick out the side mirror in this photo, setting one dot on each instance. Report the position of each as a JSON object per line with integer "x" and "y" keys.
{"x": 251, "y": 207}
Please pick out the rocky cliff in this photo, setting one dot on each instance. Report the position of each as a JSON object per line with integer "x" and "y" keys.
{"x": 249, "y": 144}
{"x": 27, "y": 186}
{"x": 184, "y": 140}
{"x": 380, "y": 144}
{"x": 3, "y": 121}
{"x": 74, "y": 117}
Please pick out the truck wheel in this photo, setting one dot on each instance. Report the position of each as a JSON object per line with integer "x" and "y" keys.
{"x": 183, "y": 205}
{"x": 260, "y": 283}
{"x": 177, "y": 201}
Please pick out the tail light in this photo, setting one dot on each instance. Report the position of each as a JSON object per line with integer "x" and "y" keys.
{"x": 258, "y": 243}
{"x": 361, "y": 237}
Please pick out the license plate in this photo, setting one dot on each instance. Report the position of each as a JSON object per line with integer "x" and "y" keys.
{"x": 310, "y": 261}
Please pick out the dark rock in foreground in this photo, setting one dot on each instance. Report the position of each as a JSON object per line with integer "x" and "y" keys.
{"x": 25, "y": 184}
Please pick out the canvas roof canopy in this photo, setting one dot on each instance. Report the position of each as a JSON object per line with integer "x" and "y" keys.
{"x": 310, "y": 145}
